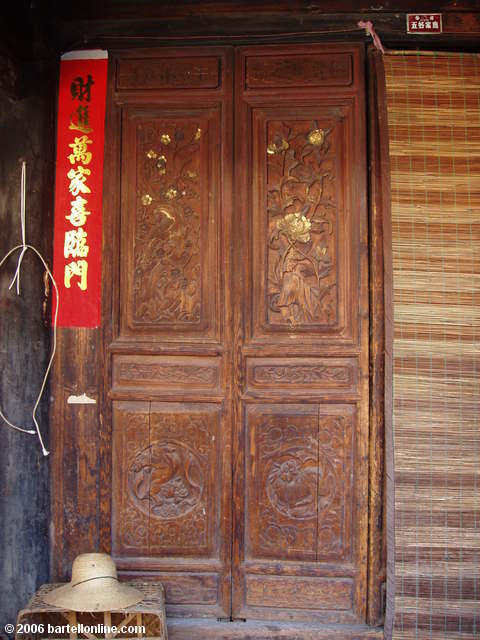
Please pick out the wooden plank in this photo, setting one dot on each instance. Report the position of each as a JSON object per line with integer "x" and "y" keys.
{"x": 460, "y": 28}
{"x": 75, "y": 448}
{"x": 379, "y": 209}
{"x": 182, "y": 629}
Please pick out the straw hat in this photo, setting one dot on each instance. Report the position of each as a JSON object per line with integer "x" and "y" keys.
{"x": 94, "y": 586}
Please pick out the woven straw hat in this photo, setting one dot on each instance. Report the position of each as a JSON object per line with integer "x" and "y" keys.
{"x": 94, "y": 586}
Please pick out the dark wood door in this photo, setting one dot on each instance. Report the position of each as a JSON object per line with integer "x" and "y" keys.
{"x": 239, "y": 352}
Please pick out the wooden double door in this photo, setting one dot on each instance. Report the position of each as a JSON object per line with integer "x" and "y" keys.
{"x": 237, "y": 346}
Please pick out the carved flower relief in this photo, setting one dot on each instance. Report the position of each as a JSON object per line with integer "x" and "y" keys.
{"x": 301, "y": 213}
{"x": 171, "y": 193}
{"x": 161, "y": 165}
{"x": 277, "y": 146}
{"x": 316, "y": 137}
{"x": 167, "y": 283}
{"x": 291, "y": 489}
{"x": 296, "y": 227}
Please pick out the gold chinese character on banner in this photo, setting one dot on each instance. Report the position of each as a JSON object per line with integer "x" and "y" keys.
{"x": 76, "y": 269}
{"x": 75, "y": 245}
{"x": 80, "y": 151}
{"x": 80, "y": 120}
{"x": 77, "y": 180}
{"x": 78, "y": 213}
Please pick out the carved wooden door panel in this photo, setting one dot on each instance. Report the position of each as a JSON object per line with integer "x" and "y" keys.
{"x": 301, "y": 335}
{"x": 169, "y": 351}
{"x": 237, "y": 336}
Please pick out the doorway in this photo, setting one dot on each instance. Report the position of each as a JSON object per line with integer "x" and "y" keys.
{"x": 237, "y": 329}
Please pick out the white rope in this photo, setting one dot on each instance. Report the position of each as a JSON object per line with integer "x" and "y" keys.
{"x": 24, "y": 248}
{"x": 22, "y": 222}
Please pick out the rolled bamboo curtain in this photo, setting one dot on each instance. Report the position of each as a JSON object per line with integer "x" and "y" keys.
{"x": 433, "y": 104}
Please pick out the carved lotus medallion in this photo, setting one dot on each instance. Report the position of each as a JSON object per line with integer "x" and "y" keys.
{"x": 292, "y": 488}
{"x": 299, "y": 488}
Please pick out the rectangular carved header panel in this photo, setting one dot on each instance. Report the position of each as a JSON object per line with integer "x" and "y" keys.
{"x": 298, "y": 71}
{"x": 157, "y": 375}
{"x": 302, "y": 376}
{"x": 169, "y": 73}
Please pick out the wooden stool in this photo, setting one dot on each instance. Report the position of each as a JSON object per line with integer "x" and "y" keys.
{"x": 40, "y": 620}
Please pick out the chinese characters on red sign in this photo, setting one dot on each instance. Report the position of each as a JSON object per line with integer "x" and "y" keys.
{"x": 424, "y": 23}
{"x": 78, "y": 187}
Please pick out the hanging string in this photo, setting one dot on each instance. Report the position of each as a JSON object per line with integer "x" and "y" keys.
{"x": 23, "y": 248}
{"x": 368, "y": 26}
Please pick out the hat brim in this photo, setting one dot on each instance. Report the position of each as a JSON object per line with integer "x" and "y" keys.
{"x": 90, "y": 596}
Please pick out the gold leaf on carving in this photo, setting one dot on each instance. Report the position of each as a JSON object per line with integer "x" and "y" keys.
{"x": 198, "y": 134}
{"x": 165, "y": 138}
{"x": 166, "y": 213}
{"x": 316, "y": 137}
{"x": 162, "y": 165}
{"x": 171, "y": 193}
{"x": 151, "y": 154}
{"x": 191, "y": 174}
{"x": 146, "y": 199}
{"x": 274, "y": 148}
{"x": 296, "y": 227}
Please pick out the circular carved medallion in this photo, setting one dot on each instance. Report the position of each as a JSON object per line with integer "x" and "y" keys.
{"x": 292, "y": 488}
{"x": 298, "y": 488}
{"x": 165, "y": 480}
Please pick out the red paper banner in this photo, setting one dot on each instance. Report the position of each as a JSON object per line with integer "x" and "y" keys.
{"x": 77, "y": 254}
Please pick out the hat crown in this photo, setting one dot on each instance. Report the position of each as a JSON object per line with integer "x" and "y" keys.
{"x": 88, "y": 566}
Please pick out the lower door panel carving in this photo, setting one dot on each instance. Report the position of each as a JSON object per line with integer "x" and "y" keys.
{"x": 299, "y": 493}
{"x": 168, "y": 481}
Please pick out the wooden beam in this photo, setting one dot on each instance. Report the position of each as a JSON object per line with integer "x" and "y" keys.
{"x": 461, "y": 28}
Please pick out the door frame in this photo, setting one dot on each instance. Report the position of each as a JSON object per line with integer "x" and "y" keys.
{"x": 81, "y": 503}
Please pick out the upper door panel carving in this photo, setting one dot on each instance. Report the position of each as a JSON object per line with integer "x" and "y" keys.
{"x": 169, "y": 270}
{"x": 302, "y": 224}
{"x": 304, "y": 239}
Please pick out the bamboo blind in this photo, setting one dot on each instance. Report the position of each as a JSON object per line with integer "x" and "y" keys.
{"x": 433, "y": 104}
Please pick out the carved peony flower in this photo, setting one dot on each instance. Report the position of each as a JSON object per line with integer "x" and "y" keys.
{"x": 147, "y": 199}
{"x": 296, "y": 227}
{"x": 165, "y": 139}
{"x": 316, "y": 137}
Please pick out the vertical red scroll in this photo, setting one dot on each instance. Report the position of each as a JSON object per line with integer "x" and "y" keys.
{"x": 77, "y": 257}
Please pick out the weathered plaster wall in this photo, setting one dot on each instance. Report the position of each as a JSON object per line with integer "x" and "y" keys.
{"x": 26, "y": 132}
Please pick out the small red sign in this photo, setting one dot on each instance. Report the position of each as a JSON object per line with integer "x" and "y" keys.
{"x": 424, "y": 23}
{"x": 77, "y": 247}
